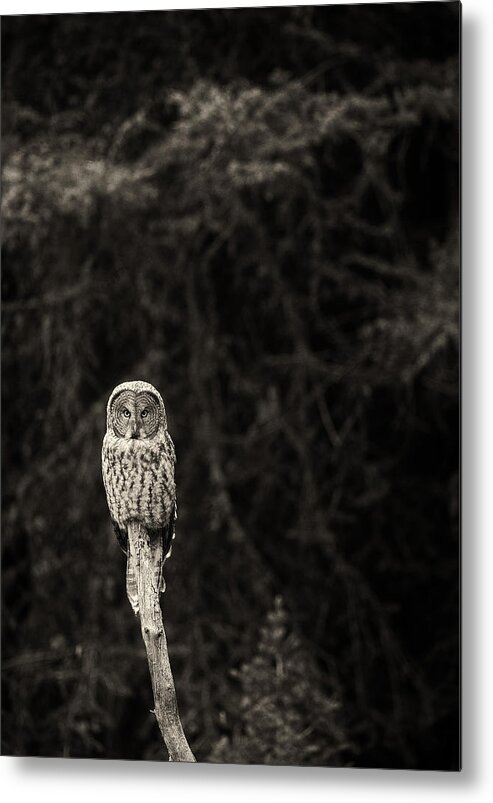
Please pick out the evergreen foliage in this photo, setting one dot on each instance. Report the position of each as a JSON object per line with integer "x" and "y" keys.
{"x": 285, "y": 718}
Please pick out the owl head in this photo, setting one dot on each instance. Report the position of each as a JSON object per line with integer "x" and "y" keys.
{"x": 136, "y": 411}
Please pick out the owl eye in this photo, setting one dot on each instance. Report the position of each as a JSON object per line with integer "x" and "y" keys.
{"x": 144, "y": 413}
{"x": 126, "y": 413}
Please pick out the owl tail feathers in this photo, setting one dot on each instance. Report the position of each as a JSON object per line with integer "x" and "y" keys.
{"x": 159, "y": 578}
{"x": 132, "y": 592}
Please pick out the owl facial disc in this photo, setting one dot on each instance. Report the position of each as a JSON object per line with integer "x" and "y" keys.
{"x": 135, "y": 411}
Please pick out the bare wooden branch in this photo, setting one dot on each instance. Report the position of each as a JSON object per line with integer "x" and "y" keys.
{"x": 151, "y": 622}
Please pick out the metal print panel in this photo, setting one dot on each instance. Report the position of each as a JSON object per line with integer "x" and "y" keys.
{"x": 230, "y": 386}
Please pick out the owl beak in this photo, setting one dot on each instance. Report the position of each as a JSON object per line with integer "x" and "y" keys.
{"x": 132, "y": 433}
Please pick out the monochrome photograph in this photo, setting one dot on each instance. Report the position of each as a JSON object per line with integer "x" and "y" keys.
{"x": 230, "y": 386}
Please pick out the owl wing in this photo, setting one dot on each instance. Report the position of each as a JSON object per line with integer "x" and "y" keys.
{"x": 165, "y": 535}
{"x": 171, "y": 448}
{"x": 121, "y": 535}
{"x": 170, "y": 534}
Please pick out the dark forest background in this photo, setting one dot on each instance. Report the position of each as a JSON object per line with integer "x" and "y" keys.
{"x": 257, "y": 211}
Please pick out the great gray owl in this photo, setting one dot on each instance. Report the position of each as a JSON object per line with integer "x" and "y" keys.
{"x": 138, "y": 461}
